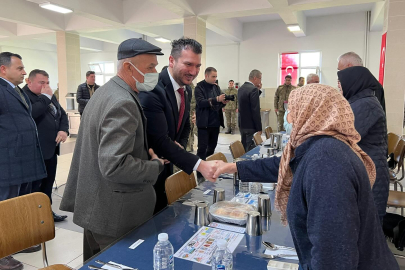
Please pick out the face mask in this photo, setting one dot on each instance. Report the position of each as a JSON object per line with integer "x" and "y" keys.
{"x": 287, "y": 126}
{"x": 150, "y": 80}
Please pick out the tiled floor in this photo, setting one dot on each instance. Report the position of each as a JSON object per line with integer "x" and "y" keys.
{"x": 67, "y": 248}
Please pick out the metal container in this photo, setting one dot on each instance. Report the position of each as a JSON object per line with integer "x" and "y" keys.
{"x": 266, "y": 223}
{"x": 219, "y": 195}
{"x": 253, "y": 223}
{"x": 277, "y": 141}
{"x": 201, "y": 214}
{"x": 271, "y": 140}
{"x": 264, "y": 205}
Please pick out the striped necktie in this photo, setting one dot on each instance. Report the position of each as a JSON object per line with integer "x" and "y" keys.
{"x": 21, "y": 96}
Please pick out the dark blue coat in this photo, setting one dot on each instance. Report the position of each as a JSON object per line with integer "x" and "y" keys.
{"x": 20, "y": 153}
{"x": 331, "y": 213}
{"x": 359, "y": 85}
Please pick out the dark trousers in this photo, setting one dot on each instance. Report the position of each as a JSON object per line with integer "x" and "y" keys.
{"x": 15, "y": 191}
{"x": 93, "y": 243}
{"x": 247, "y": 138}
{"x": 207, "y": 141}
{"x": 45, "y": 185}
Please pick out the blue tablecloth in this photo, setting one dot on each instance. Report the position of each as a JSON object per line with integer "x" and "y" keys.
{"x": 178, "y": 221}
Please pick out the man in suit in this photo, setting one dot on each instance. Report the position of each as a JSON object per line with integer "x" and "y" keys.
{"x": 167, "y": 109}
{"x": 21, "y": 161}
{"x": 210, "y": 101}
{"x": 86, "y": 90}
{"x": 52, "y": 124}
{"x": 249, "y": 109}
{"x": 110, "y": 184}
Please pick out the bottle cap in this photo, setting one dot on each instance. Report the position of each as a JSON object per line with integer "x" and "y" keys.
{"x": 163, "y": 237}
{"x": 222, "y": 244}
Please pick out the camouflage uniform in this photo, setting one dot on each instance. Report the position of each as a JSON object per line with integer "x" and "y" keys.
{"x": 282, "y": 94}
{"x": 230, "y": 109}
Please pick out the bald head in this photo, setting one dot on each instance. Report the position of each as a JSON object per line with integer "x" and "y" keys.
{"x": 349, "y": 59}
{"x": 312, "y": 78}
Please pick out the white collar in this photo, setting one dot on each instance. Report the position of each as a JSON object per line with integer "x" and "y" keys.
{"x": 176, "y": 86}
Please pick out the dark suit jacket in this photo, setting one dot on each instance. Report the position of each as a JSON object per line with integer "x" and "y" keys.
{"x": 205, "y": 104}
{"x": 47, "y": 124}
{"x": 83, "y": 95}
{"x": 20, "y": 153}
{"x": 160, "y": 107}
{"x": 249, "y": 107}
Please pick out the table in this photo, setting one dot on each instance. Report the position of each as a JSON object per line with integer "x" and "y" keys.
{"x": 178, "y": 221}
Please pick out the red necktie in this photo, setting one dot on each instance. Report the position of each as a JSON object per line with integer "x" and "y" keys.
{"x": 182, "y": 107}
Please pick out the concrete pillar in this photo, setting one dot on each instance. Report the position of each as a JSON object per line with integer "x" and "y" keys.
{"x": 394, "y": 25}
{"x": 195, "y": 28}
{"x": 69, "y": 68}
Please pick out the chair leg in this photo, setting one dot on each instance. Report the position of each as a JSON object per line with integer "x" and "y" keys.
{"x": 44, "y": 257}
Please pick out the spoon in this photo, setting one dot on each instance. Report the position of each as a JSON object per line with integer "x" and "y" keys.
{"x": 278, "y": 256}
{"x": 275, "y": 247}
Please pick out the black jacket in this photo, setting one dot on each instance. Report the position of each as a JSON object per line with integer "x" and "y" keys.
{"x": 48, "y": 125}
{"x": 161, "y": 111}
{"x": 249, "y": 107}
{"x": 21, "y": 159}
{"x": 205, "y": 104}
{"x": 359, "y": 85}
{"x": 83, "y": 95}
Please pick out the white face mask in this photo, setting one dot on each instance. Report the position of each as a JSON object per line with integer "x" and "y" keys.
{"x": 149, "y": 82}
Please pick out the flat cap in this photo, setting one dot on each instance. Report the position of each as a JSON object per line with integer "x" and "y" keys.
{"x": 134, "y": 46}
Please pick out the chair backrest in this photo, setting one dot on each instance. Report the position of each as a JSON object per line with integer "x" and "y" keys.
{"x": 237, "y": 149}
{"x": 393, "y": 140}
{"x": 267, "y": 131}
{"x": 399, "y": 152}
{"x": 25, "y": 221}
{"x": 178, "y": 184}
{"x": 257, "y": 138}
{"x": 217, "y": 156}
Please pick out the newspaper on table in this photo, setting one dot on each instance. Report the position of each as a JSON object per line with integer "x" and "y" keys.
{"x": 202, "y": 245}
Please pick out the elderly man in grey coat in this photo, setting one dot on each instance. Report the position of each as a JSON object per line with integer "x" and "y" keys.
{"x": 110, "y": 183}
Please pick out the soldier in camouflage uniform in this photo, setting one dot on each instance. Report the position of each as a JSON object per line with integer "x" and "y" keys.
{"x": 193, "y": 130}
{"x": 281, "y": 98}
{"x": 231, "y": 108}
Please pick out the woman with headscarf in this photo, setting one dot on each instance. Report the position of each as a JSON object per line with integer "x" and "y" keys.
{"x": 359, "y": 87}
{"x": 324, "y": 185}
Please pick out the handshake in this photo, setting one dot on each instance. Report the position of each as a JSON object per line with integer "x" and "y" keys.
{"x": 211, "y": 170}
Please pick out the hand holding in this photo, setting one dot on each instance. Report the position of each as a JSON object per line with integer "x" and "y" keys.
{"x": 46, "y": 89}
{"x": 225, "y": 168}
{"x": 207, "y": 169}
{"x": 221, "y": 98}
{"x": 154, "y": 156}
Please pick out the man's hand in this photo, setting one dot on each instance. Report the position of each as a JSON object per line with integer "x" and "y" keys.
{"x": 237, "y": 110}
{"x": 225, "y": 168}
{"x": 46, "y": 89}
{"x": 179, "y": 145}
{"x": 194, "y": 118}
{"x": 61, "y": 137}
{"x": 225, "y": 101}
{"x": 154, "y": 156}
{"x": 221, "y": 98}
{"x": 207, "y": 169}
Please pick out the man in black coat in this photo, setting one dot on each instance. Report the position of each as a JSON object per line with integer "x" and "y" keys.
{"x": 52, "y": 124}
{"x": 21, "y": 161}
{"x": 167, "y": 109}
{"x": 209, "y": 103}
{"x": 86, "y": 90}
{"x": 249, "y": 109}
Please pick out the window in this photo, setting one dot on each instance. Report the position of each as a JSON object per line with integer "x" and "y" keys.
{"x": 104, "y": 71}
{"x": 299, "y": 65}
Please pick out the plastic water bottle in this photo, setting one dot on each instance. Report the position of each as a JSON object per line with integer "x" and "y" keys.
{"x": 243, "y": 187}
{"x": 222, "y": 258}
{"x": 255, "y": 188}
{"x": 163, "y": 254}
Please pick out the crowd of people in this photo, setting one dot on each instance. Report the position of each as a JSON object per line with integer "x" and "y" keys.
{"x": 137, "y": 128}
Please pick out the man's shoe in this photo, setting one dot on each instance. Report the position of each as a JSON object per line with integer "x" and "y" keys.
{"x": 58, "y": 218}
{"x": 229, "y": 131}
{"x": 9, "y": 263}
{"x": 31, "y": 249}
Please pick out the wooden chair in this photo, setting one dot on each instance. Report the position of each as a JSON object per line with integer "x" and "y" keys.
{"x": 237, "y": 149}
{"x": 217, "y": 156}
{"x": 179, "y": 184}
{"x": 257, "y": 138}
{"x": 393, "y": 140}
{"x": 27, "y": 221}
{"x": 267, "y": 131}
{"x": 399, "y": 153}
{"x": 396, "y": 199}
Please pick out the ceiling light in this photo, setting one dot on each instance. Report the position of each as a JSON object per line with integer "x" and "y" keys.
{"x": 49, "y": 6}
{"x": 162, "y": 40}
{"x": 294, "y": 28}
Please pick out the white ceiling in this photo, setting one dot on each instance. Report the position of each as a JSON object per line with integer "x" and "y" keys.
{"x": 101, "y": 22}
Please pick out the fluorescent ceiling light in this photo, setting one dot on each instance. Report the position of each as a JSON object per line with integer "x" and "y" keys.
{"x": 162, "y": 40}
{"x": 49, "y": 6}
{"x": 294, "y": 28}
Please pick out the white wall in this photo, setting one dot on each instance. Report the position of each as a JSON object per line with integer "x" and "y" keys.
{"x": 34, "y": 59}
{"x": 225, "y": 60}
